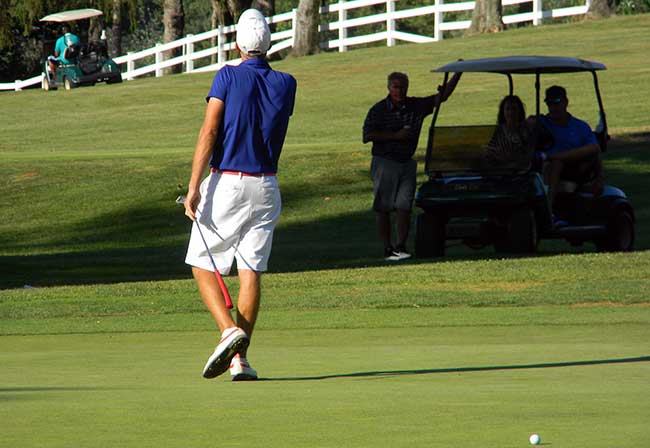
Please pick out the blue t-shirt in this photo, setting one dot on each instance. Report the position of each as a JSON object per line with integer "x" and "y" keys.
{"x": 258, "y": 103}
{"x": 63, "y": 42}
{"x": 575, "y": 134}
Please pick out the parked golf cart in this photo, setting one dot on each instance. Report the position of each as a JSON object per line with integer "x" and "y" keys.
{"x": 470, "y": 199}
{"x": 90, "y": 61}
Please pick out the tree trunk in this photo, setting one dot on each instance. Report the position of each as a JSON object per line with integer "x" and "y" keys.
{"x": 236, "y": 7}
{"x": 306, "y": 39}
{"x": 116, "y": 29}
{"x": 94, "y": 30}
{"x": 173, "y": 24}
{"x": 267, "y": 7}
{"x": 599, "y": 9}
{"x": 487, "y": 17}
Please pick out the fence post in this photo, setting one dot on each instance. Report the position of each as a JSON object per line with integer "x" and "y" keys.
{"x": 343, "y": 30}
{"x": 294, "y": 20}
{"x": 390, "y": 22}
{"x": 537, "y": 12}
{"x": 159, "y": 59}
{"x": 437, "y": 21}
{"x": 189, "y": 49}
{"x": 130, "y": 66}
{"x": 221, "y": 53}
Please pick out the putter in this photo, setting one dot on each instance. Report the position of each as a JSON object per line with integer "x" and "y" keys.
{"x": 222, "y": 285}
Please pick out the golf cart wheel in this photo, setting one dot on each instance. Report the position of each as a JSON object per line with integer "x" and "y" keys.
{"x": 429, "y": 236}
{"x": 67, "y": 83}
{"x": 521, "y": 233}
{"x": 620, "y": 233}
{"x": 47, "y": 85}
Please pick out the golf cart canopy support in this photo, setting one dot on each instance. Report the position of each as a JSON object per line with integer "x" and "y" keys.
{"x": 72, "y": 15}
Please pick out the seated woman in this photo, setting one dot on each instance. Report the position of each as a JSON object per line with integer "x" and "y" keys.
{"x": 512, "y": 142}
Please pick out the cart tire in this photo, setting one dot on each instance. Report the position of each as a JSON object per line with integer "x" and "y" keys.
{"x": 429, "y": 236}
{"x": 620, "y": 233}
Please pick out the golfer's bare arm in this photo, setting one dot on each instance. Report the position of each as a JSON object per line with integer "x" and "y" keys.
{"x": 202, "y": 153}
{"x": 449, "y": 88}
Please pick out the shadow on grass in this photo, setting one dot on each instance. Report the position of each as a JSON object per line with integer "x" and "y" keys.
{"x": 55, "y": 389}
{"x": 389, "y": 373}
{"x": 40, "y": 392}
{"x": 149, "y": 242}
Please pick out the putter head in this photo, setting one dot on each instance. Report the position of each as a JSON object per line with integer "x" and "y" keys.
{"x": 180, "y": 200}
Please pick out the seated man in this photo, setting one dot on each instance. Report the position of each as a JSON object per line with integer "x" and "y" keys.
{"x": 575, "y": 154}
{"x": 64, "y": 42}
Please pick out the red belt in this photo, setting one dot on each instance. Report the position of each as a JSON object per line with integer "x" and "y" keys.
{"x": 241, "y": 173}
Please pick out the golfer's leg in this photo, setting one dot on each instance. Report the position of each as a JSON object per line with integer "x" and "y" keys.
{"x": 213, "y": 298}
{"x": 403, "y": 227}
{"x": 404, "y": 201}
{"x": 248, "y": 303}
{"x": 383, "y": 226}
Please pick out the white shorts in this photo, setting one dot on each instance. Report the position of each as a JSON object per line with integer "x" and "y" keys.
{"x": 237, "y": 215}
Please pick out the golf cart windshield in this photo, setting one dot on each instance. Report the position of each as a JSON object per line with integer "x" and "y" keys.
{"x": 480, "y": 149}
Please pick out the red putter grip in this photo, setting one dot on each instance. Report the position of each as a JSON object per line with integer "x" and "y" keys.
{"x": 224, "y": 290}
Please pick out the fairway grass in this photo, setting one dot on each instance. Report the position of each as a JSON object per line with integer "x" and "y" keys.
{"x": 576, "y": 384}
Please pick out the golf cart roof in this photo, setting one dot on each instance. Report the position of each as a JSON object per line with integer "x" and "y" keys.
{"x": 72, "y": 15}
{"x": 523, "y": 65}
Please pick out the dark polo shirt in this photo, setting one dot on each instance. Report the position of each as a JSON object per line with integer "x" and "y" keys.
{"x": 384, "y": 116}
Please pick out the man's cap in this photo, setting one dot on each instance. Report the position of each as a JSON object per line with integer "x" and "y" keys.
{"x": 253, "y": 33}
{"x": 555, "y": 94}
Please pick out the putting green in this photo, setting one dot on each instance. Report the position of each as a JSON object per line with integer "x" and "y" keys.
{"x": 482, "y": 385}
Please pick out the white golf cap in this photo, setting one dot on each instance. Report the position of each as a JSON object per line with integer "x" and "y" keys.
{"x": 253, "y": 33}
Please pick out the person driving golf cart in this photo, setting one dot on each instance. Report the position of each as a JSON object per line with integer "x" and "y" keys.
{"x": 66, "y": 49}
{"x": 574, "y": 155}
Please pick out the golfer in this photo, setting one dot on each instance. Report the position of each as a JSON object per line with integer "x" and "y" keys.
{"x": 238, "y": 204}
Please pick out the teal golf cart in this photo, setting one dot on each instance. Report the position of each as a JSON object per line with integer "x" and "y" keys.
{"x": 87, "y": 64}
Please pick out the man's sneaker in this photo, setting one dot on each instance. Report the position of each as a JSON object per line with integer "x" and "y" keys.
{"x": 240, "y": 369}
{"x": 401, "y": 253}
{"x": 233, "y": 340}
{"x": 390, "y": 254}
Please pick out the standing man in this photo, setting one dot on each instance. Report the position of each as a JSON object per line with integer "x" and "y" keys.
{"x": 575, "y": 153}
{"x": 393, "y": 126}
{"x": 238, "y": 204}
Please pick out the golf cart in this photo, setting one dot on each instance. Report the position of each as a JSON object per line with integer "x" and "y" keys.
{"x": 468, "y": 198}
{"x": 89, "y": 63}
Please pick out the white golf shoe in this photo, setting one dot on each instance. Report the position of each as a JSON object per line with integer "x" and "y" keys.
{"x": 233, "y": 340}
{"x": 241, "y": 370}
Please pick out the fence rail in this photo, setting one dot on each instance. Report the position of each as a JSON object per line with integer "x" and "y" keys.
{"x": 221, "y": 41}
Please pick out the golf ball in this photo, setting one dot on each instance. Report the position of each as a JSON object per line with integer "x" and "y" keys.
{"x": 535, "y": 439}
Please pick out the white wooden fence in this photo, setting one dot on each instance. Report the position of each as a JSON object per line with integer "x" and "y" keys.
{"x": 225, "y": 35}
